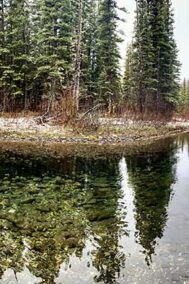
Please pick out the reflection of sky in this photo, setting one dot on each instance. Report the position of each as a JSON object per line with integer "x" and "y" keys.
{"x": 128, "y": 200}
{"x": 78, "y": 272}
{"x": 178, "y": 208}
{"x": 171, "y": 258}
{"x": 23, "y": 277}
{"x": 181, "y": 29}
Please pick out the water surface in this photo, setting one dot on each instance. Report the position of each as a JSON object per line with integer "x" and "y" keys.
{"x": 112, "y": 218}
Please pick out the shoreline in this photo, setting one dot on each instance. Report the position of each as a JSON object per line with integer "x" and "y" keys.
{"x": 115, "y": 132}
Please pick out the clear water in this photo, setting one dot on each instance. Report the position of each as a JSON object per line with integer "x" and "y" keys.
{"x": 107, "y": 219}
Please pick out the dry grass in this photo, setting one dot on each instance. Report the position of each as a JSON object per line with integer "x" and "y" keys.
{"x": 93, "y": 130}
{"x": 26, "y": 114}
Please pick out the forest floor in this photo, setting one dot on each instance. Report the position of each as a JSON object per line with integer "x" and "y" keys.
{"x": 110, "y": 131}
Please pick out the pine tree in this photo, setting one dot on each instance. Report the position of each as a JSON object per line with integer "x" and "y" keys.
{"x": 15, "y": 54}
{"x": 129, "y": 96}
{"x": 143, "y": 57}
{"x": 108, "y": 57}
{"x": 155, "y": 71}
{"x": 78, "y": 36}
{"x": 89, "y": 52}
{"x": 52, "y": 47}
{"x": 53, "y": 54}
{"x": 184, "y": 95}
{"x": 166, "y": 62}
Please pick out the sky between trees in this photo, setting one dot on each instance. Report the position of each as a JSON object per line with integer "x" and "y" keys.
{"x": 181, "y": 8}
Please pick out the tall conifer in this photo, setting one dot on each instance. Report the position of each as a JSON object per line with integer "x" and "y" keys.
{"x": 53, "y": 56}
{"x": 108, "y": 58}
{"x": 15, "y": 50}
{"x": 155, "y": 67}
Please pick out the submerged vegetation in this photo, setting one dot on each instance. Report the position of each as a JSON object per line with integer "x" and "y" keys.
{"x": 54, "y": 211}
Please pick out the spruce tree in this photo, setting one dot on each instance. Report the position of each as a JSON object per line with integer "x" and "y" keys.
{"x": 53, "y": 54}
{"x": 143, "y": 57}
{"x": 108, "y": 56}
{"x": 15, "y": 67}
{"x": 155, "y": 72}
{"x": 129, "y": 96}
{"x": 78, "y": 40}
{"x": 165, "y": 50}
{"x": 184, "y": 95}
{"x": 89, "y": 52}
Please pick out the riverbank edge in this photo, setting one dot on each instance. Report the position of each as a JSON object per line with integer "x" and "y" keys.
{"x": 110, "y": 135}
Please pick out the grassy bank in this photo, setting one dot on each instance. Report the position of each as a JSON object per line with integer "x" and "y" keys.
{"x": 110, "y": 131}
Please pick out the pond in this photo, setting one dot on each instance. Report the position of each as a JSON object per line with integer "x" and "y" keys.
{"x": 104, "y": 218}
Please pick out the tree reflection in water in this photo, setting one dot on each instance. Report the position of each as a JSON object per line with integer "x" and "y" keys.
{"x": 151, "y": 177}
{"x": 50, "y": 209}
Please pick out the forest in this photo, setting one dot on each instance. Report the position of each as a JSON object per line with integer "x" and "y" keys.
{"x": 94, "y": 141}
{"x": 63, "y": 57}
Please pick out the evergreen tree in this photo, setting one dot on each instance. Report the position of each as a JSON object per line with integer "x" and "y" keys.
{"x": 53, "y": 55}
{"x": 108, "y": 57}
{"x": 166, "y": 62}
{"x": 89, "y": 52}
{"x": 15, "y": 66}
{"x": 49, "y": 48}
{"x": 184, "y": 95}
{"x": 78, "y": 38}
{"x": 143, "y": 55}
{"x": 128, "y": 88}
{"x": 155, "y": 71}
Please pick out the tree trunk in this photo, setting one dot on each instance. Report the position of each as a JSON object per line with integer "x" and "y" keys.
{"x": 77, "y": 75}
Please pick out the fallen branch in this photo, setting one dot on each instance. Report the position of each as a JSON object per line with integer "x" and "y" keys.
{"x": 96, "y": 107}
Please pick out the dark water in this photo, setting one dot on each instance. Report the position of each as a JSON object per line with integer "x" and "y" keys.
{"x": 109, "y": 219}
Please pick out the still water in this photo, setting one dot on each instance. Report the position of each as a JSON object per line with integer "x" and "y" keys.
{"x": 112, "y": 218}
